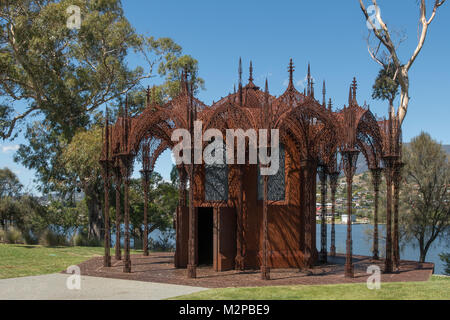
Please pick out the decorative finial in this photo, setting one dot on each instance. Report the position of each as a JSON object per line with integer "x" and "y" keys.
{"x": 291, "y": 73}
{"x": 350, "y": 98}
{"x": 250, "y": 79}
{"x": 148, "y": 96}
{"x": 240, "y": 82}
{"x": 354, "y": 87}
{"x": 240, "y": 70}
{"x": 183, "y": 82}
{"x": 324, "y": 93}
{"x": 309, "y": 80}
{"x": 267, "y": 111}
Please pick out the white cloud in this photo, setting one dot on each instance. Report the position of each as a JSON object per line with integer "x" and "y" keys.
{"x": 6, "y": 149}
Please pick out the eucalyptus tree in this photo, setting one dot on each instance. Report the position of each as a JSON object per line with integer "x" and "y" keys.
{"x": 56, "y": 77}
{"x": 389, "y": 58}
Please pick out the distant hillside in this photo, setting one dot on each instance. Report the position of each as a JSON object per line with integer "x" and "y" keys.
{"x": 362, "y": 165}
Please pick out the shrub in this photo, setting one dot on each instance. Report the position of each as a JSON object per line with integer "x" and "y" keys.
{"x": 13, "y": 236}
{"x": 446, "y": 258}
{"x": 165, "y": 243}
{"x": 30, "y": 238}
{"x": 52, "y": 239}
{"x": 81, "y": 239}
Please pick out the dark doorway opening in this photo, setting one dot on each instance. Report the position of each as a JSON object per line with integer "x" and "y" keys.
{"x": 205, "y": 236}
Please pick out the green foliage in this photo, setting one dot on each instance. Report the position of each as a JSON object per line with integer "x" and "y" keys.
{"x": 164, "y": 243}
{"x": 52, "y": 239}
{"x": 163, "y": 200}
{"x": 446, "y": 258}
{"x": 81, "y": 239}
{"x": 385, "y": 87}
{"x": 81, "y": 155}
{"x": 13, "y": 236}
{"x": 65, "y": 76}
{"x": 9, "y": 184}
{"x": 64, "y": 73}
{"x": 426, "y": 195}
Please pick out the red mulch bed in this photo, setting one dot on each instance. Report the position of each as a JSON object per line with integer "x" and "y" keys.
{"x": 159, "y": 267}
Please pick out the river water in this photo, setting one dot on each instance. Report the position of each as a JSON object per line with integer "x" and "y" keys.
{"x": 362, "y": 244}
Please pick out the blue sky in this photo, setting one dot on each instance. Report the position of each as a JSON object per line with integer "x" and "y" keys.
{"x": 331, "y": 35}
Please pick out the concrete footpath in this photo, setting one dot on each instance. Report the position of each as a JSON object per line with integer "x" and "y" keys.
{"x": 55, "y": 287}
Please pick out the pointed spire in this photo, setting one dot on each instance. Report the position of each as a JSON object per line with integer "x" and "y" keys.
{"x": 120, "y": 111}
{"x": 291, "y": 70}
{"x": 324, "y": 93}
{"x": 240, "y": 70}
{"x": 354, "y": 87}
{"x": 240, "y": 82}
{"x": 107, "y": 135}
{"x": 250, "y": 79}
{"x": 330, "y": 105}
{"x": 148, "y": 96}
{"x": 153, "y": 97}
{"x": 266, "y": 89}
{"x": 312, "y": 88}
{"x": 309, "y": 80}
{"x": 186, "y": 83}
{"x": 183, "y": 84}
{"x": 266, "y": 103}
{"x": 350, "y": 98}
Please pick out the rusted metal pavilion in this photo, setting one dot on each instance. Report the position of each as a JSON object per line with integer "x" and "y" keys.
{"x": 231, "y": 217}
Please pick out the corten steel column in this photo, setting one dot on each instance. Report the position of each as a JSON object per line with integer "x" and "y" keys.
{"x": 126, "y": 175}
{"x": 308, "y": 171}
{"x": 118, "y": 182}
{"x": 376, "y": 181}
{"x": 192, "y": 265}
{"x": 107, "y": 257}
{"x": 333, "y": 186}
{"x": 239, "y": 261}
{"x": 106, "y": 180}
{"x": 388, "y": 164}
{"x": 350, "y": 157}
{"x": 145, "y": 183}
{"x": 179, "y": 221}
{"x": 105, "y": 163}
{"x": 397, "y": 175}
{"x": 265, "y": 271}
{"x": 323, "y": 227}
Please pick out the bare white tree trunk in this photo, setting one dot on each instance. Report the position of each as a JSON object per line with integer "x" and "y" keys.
{"x": 383, "y": 34}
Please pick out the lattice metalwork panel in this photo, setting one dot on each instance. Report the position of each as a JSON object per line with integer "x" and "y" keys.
{"x": 216, "y": 182}
{"x": 276, "y": 189}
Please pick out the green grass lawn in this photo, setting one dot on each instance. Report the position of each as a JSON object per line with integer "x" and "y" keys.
{"x": 437, "y": 288}
{"x": 21, "y": 260}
